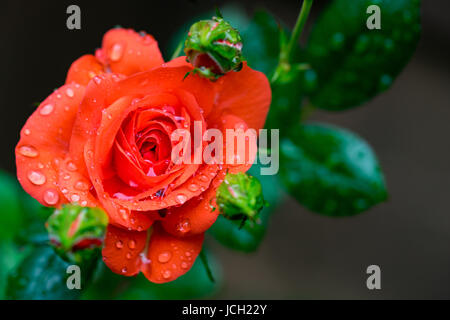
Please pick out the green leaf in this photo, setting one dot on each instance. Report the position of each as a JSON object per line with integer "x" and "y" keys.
{"x": 42, "y": 275}
{"x": 12, "y": 216}
{"x": 106, "y": 285}
{"x": 354, "y": 63}
{"x": 248, "y": 237}
{"x": 331, "y": 171}
{"x": 10, "y": 257}
{"x": 262, "y": 42}
{"x": 195, "y": 284}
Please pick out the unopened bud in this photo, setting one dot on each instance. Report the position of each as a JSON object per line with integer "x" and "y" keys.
{"x": 77, "y": 232}
{"x": 240, "y": 197}
{"x": 214, "y": 48}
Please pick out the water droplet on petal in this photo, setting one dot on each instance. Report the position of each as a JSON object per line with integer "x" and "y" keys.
{"x": 188, "y": 254}
{"x": 36, "y": 178}
{"x": 184, "y": 226}
{"x": 119, "y": 244}
{"x": 181, "y": 198}
{"x": 51, "y": 197}
{"x": 75, "y": 198}
{"x": 70, "y": 93}
{"x": 131, "y": 244}
{"x": 123, "y": 213}
{"x": 193, "y": 187}
{"x": 164, "y": 257}
{"x": 71, "y": 166}
{"x": 124, "y": 270}
{"x": 28, "y": 151}
{"x": 81, "y": 185}
{"x": 46, "y": 110}
{"x": 166, "y": 274}
{"x": 116, "y": 52}
{"x": 97, "y": 80}
{"x": 27, "y": 132}
{"x": 128, "y": 255}
{"x": 184, "y": 265}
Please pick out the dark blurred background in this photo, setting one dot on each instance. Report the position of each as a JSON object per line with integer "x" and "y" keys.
{"x": 304, "y": 255}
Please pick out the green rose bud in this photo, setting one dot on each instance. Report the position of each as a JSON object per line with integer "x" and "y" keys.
{"x": 77, "y": 233}
{"x": 214, "y": 48}
{"x": 240, "y": 197}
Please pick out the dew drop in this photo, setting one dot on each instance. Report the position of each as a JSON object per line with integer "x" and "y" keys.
{"x": 181, "y": 198}
{"x": 51, "y": 197}
{"x": 81, "y": 185}
{"x": 193, "y": 187}
{"x": 164, "y": 257}
{"x": 119, "y": 244}
{"x": 184, "y": 226}
{"x": 70, "y": 93}
{"x": 27, "y": 132}
{"x": 123, "y": 213}
{"x": 75, "y": 198}
{"x": 124, "y": 270}
{"x": 36, "y": 178}
{"x": 116, "y": 52}
{"x": 97, "y": 80}
{"x": 188, "y": 254}
{"x": 128, "y": 255}
{"x": 71, "y": 166}
{"x": 184, "y": 265}
{"x": 166, "y": 274}
{"x": 131, "y": 244}
{"x": 28, "y": 151}
{"x": 46, "y": 110}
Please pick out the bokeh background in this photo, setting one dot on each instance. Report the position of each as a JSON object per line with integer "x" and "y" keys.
{"x": 304, "y": 255}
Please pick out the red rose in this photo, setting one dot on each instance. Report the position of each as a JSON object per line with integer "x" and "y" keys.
{"x": 103, "y": 139}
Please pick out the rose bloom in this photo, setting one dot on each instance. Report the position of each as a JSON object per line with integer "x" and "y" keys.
{"x": 103, "y": 140}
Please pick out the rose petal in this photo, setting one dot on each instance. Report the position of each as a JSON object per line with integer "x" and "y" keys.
{"x": 128, "y": 52}
{"x": 44, "y": 143}
{"x": 122, "y": 250}
{"x": 118, "y": 214}
{"x": 170, "y": 257}
{"x": 245, "y": 94}
{"x": 196, "y": 216}
{"x": 75, "y": 185}
{"x": 84, "y": 69}
{"x": 167, "y": 79}
{"x": 90, "y": 112}
{"x": 243, "y": 158}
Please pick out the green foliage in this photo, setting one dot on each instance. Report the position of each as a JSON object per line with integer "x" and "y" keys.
{"x": 195, "y": 284}
{"x": 248, "y": 237}
{"x": 331, "y": 171}
{"x": 41, "y": 276}
{"x": 10, "y": 257}
{"x": 12, "y": 214}
{"x": 354, "y": 63}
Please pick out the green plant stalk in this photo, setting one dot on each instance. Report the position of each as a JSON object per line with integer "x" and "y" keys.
{"x": 286, "y": 51}
{"x": 178, "y": 50}
{"x": 298, "y": 28}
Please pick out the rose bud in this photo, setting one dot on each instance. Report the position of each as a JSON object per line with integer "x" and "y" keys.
{"x": 214, "y": 48}
{"x": 240, "y": 197}
{"x": 76, "y": 232}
